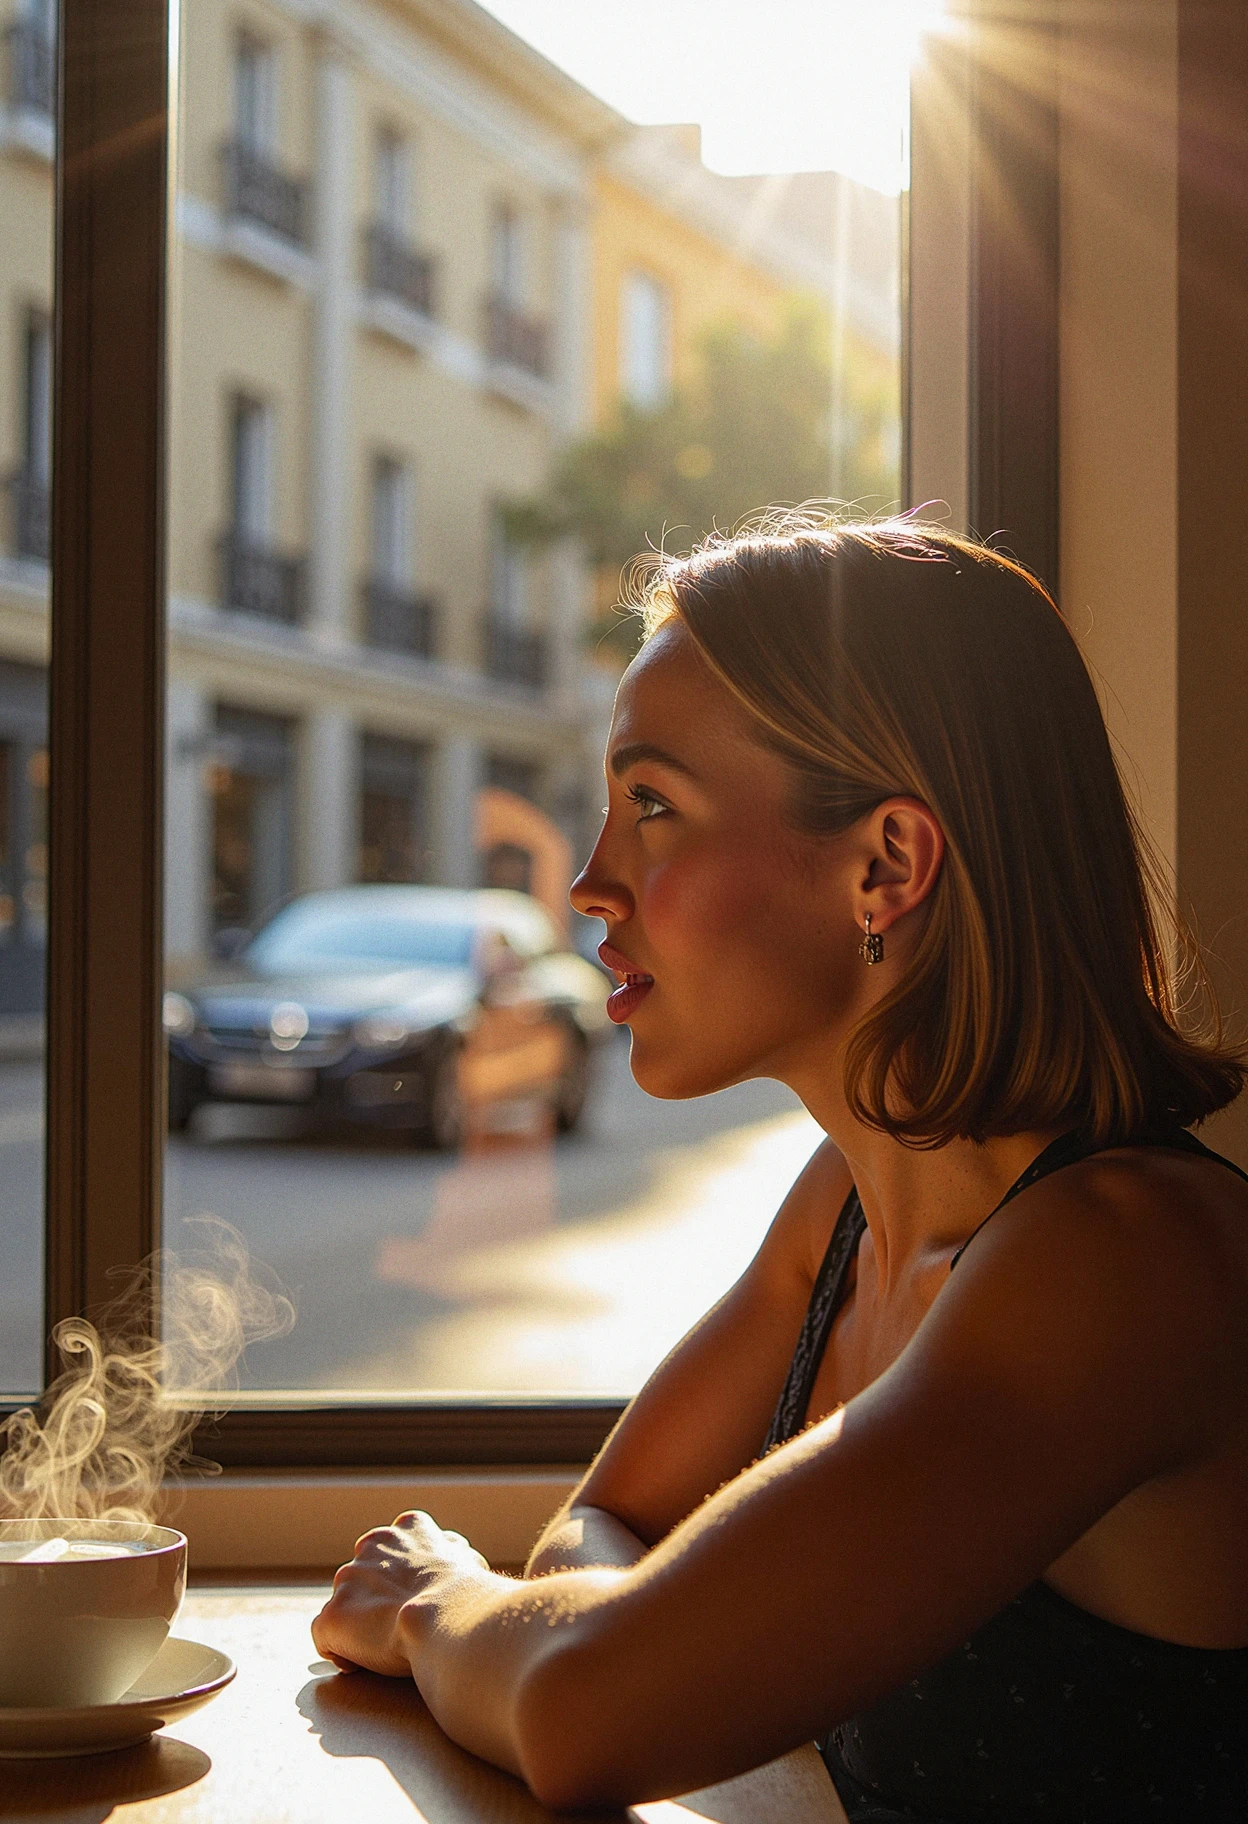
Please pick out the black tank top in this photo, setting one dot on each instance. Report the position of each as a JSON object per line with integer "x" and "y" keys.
{"x": 1047, "y": 1712}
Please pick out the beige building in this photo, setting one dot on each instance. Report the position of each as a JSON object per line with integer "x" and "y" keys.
{"x": 400, "y": 241}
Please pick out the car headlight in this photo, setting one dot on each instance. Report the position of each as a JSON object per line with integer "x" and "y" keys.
{"x": 378, "y": 1030}
{"x": 178, "y": 1016}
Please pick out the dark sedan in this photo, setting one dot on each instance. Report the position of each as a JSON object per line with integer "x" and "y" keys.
{"x": 442, "y": 1012}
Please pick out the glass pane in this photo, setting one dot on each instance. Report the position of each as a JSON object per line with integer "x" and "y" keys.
{"x": 27, "y": 34}
{"x": 417, "y": 282}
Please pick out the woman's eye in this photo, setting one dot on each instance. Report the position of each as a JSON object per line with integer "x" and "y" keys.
{"x": 647, "y": 804}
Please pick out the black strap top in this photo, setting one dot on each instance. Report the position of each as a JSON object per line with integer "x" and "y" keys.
{"x": 1047, "y": 1712}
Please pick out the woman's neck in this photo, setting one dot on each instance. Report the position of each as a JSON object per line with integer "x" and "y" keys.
{"x": 924, "y": 1204}
{"x": 918, "y": 1204}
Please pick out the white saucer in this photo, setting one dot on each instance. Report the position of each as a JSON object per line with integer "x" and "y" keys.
{"x": 182, "y": 1676}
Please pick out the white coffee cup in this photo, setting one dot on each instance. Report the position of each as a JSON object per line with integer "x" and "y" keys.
{"x": 87, "y": 1614}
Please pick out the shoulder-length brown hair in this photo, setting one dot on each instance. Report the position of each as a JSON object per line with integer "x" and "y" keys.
{"x": 894, "y": 658}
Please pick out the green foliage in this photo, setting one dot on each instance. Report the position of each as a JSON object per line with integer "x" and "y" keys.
{"x": 751, "y": 431}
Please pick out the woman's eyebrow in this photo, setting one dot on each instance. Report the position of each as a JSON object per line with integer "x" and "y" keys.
{"x": 634, "y": 751}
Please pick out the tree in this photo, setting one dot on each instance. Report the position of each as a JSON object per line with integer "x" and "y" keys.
{"x": 751, "y": 430}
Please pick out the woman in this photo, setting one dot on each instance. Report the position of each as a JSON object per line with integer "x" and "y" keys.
{"x": 965, "y": 1499}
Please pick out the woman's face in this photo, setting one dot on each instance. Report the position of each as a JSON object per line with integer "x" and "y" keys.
{"x": 742, "y": 930}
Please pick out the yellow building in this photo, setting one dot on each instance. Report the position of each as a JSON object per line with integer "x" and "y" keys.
{"x": 411, "y": 259}
{"x": 678, "y": 248}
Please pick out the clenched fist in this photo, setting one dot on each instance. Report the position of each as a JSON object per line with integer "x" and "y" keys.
{"x": 370, "y": 1621}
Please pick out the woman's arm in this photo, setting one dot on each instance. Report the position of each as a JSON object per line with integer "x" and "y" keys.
{"x": 1073, "y": 1356}
{"x": 582, "y": 1536}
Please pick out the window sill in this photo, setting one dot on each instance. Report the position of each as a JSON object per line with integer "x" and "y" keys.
{"x": 270, "y": 1520}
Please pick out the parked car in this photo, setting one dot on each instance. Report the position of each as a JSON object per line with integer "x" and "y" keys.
{"x": 433, "y": 1010}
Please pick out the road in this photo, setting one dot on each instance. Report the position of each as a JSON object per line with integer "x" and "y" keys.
{"x": 553, "y": 1268}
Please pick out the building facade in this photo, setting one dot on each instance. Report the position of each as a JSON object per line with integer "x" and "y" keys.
{"x": 411, "y": 259}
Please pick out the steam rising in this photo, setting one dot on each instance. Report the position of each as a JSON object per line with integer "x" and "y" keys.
{"x": 119, "y": 1416}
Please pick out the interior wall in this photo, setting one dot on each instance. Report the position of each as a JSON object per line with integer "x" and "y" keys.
{"x": 1118, "y": 360}
{"x": 1154, "y": 414}
{"x": 1213, "y": 505}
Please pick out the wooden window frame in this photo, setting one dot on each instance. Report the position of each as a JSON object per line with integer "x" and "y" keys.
{"x": 105, "y": 1049}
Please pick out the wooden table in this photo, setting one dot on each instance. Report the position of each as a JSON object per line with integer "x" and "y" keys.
{"x": 291, "y": 1743}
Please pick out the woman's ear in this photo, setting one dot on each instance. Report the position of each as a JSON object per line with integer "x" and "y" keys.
{"x": 905, "y": 847}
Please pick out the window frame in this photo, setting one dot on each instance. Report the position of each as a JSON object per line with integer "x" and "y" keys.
{"x": 105, "y": 1078}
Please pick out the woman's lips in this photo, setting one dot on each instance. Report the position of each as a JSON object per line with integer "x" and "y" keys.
{"x": 634, "y": 986}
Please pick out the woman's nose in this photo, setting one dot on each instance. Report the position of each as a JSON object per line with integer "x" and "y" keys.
{"x": 597, "y": 892}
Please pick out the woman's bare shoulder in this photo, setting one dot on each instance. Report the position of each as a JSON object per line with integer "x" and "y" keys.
{"x": 1139, "y": 1253}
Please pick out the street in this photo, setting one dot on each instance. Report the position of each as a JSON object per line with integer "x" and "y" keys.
{"x": 548, "y": 1269}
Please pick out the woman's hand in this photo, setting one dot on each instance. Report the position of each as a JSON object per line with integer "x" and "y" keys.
{"x": 361, "y": 1625}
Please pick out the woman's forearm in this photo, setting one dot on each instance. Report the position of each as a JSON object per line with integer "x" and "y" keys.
{"x": 581, "y": 1538}
{"x": 474, "y": 1642}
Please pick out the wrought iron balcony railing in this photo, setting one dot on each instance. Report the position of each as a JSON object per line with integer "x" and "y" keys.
{"x": 515, "y": 655}
{"x": 259, "y": 580}
{"x": 32, "y": 68}
{"x": 258, "y": 192}
{"x": 29, "y": 506}
{"x": 397, "y": 620}
{"x": 514, "y": 339}
{"x": 397, "y": 270}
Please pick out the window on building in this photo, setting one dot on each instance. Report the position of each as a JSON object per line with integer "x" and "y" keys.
{"x": 28, "y": 103}
{"x": 251, "y": 469}
{"x": 391, "y": 176}
{"x": 255, "y": 95}
{"x": 645, "y": 340}
{"x": 31, "y": 483}
{"x": 393, "y": 809}
{"x": 507, "y": 253}
{"x": 510, "y": 575}
{"x": 510, "y": 774}
{"x": 391, "y": 522}
{"x": 251, "y": 787}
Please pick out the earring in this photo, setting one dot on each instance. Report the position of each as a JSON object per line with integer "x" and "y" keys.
{"x": 871, "y": 949}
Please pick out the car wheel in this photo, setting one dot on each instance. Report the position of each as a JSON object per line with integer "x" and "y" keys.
{"x": 573, "y": 1090}
{"x": 443, "y": 1127}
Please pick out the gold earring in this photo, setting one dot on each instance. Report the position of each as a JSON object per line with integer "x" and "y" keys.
{"x": 871, "y": 949}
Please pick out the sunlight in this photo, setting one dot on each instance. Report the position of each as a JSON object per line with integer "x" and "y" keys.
{"x": 801, "y": 85}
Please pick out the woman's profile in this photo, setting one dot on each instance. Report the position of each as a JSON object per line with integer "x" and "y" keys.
{"x": 954, "y": 1480}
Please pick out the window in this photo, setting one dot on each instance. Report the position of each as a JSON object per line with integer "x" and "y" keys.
{"x": 32, "y": 51}
{"x": 645, "y": 341}
{"x": 27, "y": 105}
{"x": 418, "y": 1332}
{"x": 393, "y": 795}
{"x": 391, "y": 537}
{"x": 255, "y": 96}
{"x": 31, "y": 485}
{"x": 391, "y": 157}
{"x": 509, "y": 578}
{"x": 507, "y": 255}
{"x": 251, "y": 457}
{"x": 250, "y": 783}
{"x": 410, "y": 695}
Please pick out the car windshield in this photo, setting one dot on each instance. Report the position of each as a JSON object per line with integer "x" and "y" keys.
{"x": 315, "y": 938}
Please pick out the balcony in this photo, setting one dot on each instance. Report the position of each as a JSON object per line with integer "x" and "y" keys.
{"x": 257, "y": 192}
{"x": 513, "y": 339}
{"x": 513, "y": 655}
{"x": 32, "y": 69}
{"x": 394, "y": 269}
{"x": 395, "y": 620}
{"x": 255, "y": 579}
{"x": 30, "y": 535}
